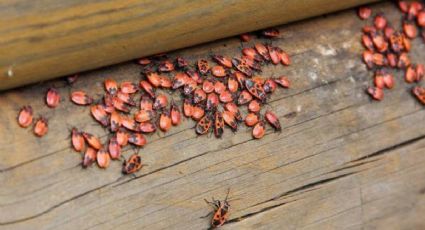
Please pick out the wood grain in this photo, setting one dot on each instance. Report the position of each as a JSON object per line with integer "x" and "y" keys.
{"x": 343, "y": 161}
{"x": 45, "y": 39}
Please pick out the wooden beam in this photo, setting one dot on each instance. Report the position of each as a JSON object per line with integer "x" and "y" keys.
{"x": 46, "y": 39}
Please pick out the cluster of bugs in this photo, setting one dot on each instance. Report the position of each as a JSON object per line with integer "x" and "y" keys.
{"x": 211, "y": 91}
{"x": 388, "y": 48}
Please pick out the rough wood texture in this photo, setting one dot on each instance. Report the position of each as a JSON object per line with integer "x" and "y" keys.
{"x": 40, "y": 40}
{"x": 342, "y": 162}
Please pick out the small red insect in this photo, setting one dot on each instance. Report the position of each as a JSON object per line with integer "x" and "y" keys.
{"x": 274, "y": 54}
{"x": 180, "y": 79}
{"x": 103, "y": 158}
{"x": 175, "y": 114}
{"x": 122, "y": 137}
{"x": 144, "y": 115}
{"x": 89, "y": 157}
{"x": 52, "y": 98}
{"x": 144, "y": 61}
{"x": 241, "y": 65}
{"x": 137, "y": 139}
{"x": 221, "y": 211}
{"x": 283, "y": 81}
{"x": 403, "y": 61}
{"x": 199, "y": 95}
{"x": 404, "y": 7}
{"x": 392, "y": 60}
{"x": 208, "y": 86}
{"x": 252, "y": 54}
{"x": 421, "y": 19}
{"x": 254, "y": 106}
{"x": 154, "y": 79}
{"x": 284, "y": 57}
{"x": 251, "y": 119}
{"x": 233, "y": 108}
{"x": 218, "y": 124}
{"x": 129, "y": 87}
{"x": 161, "y": 101}
{"x": 230, "y": 120}
{"x": 232, "y": 84}
{"x": 197, "y": 113}
{"x": 245, "y": 37}
{"x": 100, "y": 115}
{"x": 219, "y": 87}
{"x": 388, "y": 32}
{"x": 376, "y": 93}
{"x": 203, "y": 66}
{"x": 270, "y": 32}
{"x": 212, "y": 101}
{"x": 364, "y": 12}
{"x": 129, "y": 123}
{"x": 273, "y": 120}
{"x": 166, "y": 83}
{"x": 92, "y": 140}
{"x": 126, "y": 98}
{"x": 419, "y": 92}
{"x": 187, "y": 108}
{"x": 410, "y": 75}
{"x": 218, "y": 71}
{"x": 146, "y": 103}
{"x": 181, "y": 62}
{"x": 203, "y": 125}
{"x": 244, "y": 97}
{"x": 114, "y": 148}
{"x": 25, "y": 116}
{"x": 165, "y": 121}
{"x": 147, "y": 87}
{"x": 420, "y": 72}
{"x": 410, "y": 29}
{"x": 380, "y": 22}
{"x": 255, "y": 89}
{"x": 147, "y": 127}
{"x": 269, "y": 86}
{"x": 115, "y": 121}
{"x": 368, "y": 58}
{"x": 222, "y": 60}
{"x": 379, "y": 42}
{"x": 240, "y": 77}
{"x": 41, "y": 127}
{"x": 194, "y": 75}
{"x": 166, "y": 66}
{"x": 111, "y": 86}
{"x": 119, "y": 105}
{"x": 132, "y": 165}
{"x": 226, "y": 96}
{"x": 379, "y": 59}
{"x": 77, "y": 140}
{"x": 81, "y": 98}
{"x": 262, "y": 50}
{"x": 189, "y": 87}
{"x": 259, "y": 130}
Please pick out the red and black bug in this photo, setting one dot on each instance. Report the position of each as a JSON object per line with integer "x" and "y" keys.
{"x": 364, "y": 12}
{"x": 255, "y": 89}
{"x": 251, "y": 119}
{"x": 122, "y": 137}
{"x": 203, "y": 125}
{"x": 212, "y": 101}
{"x": 175, "y": 114}
{"x": 165, "y": 121}
{"x": 128, "y": 87}
{"x": 89, "y": 157}
{"x": 147, "y": 127}
{"x": 203, "y": 66}
{"x": 25, "y": 116}
{"x": 273, "y": 120}
{"x": 230, "y": 120}
{"x": 129, "y": 123}
{"x": 180, "y": 79}
{"x": 166, "y": 66}
{"x": 222, "y": 60}
{"x": 232, "y": 84}
{"x": 100, "y": 115}
{"x": 161, "y": 101}
{"x": 419, "y": 92}
{"x": 221, "y": 211}
{"x": 115, "y": 121}
{"x": 120, "y": 105}
{"x": 103, "y": 158}
{"x": 219, "y": 87}
{"x": 241, "y": 65}
{"x": 137, "y": 139}
{"x": 199, "y": 95}
{"x": 114, "y": 148}
{"x": 218, "y": 124}
{"x": 244, "y": 97}
{"x": 92, "y": 140}
{"x": 111, "y": 86}
{"x": 132, "y": 165}
{"x": 259, "y": 130}
{"x": 218, "y": 71}
{"x": 208, "y": 86}
{"x": 262, "y": 50}
{"x": 154, "y": 79}
{"x": 52, "y": 98}
{"x": 41, "y": 127}
{"x": 148, "y": 88}
{"x": 77, "y": 140}
{"x": 81, "y": 98}
{"x": 126, "y": 98}
{"x": 233, "y": 108}
{"x": 194, "y": 76}
{"x": 181, "y": 63}
{"x": 187, "y": 108}
{"x": 269, "y": 86}
{"x": 197, "y": 112}
{"x": 270, "y": 32}
{"x": 144, "y": 115}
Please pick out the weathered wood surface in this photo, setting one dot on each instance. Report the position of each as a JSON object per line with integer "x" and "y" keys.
{"x": 343, "y": 162}
{"x": 40, "y": 40}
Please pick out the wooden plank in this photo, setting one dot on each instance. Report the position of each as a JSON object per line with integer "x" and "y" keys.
{"x": 74, "y": 36}
{"x": 342, "y": 162}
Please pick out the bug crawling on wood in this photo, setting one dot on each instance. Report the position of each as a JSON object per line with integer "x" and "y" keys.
{"x": 221, "y": 211}
{"x": 132, "y": 165}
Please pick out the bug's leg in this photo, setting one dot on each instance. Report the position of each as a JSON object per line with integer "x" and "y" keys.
{"x": 203, "y": 217}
